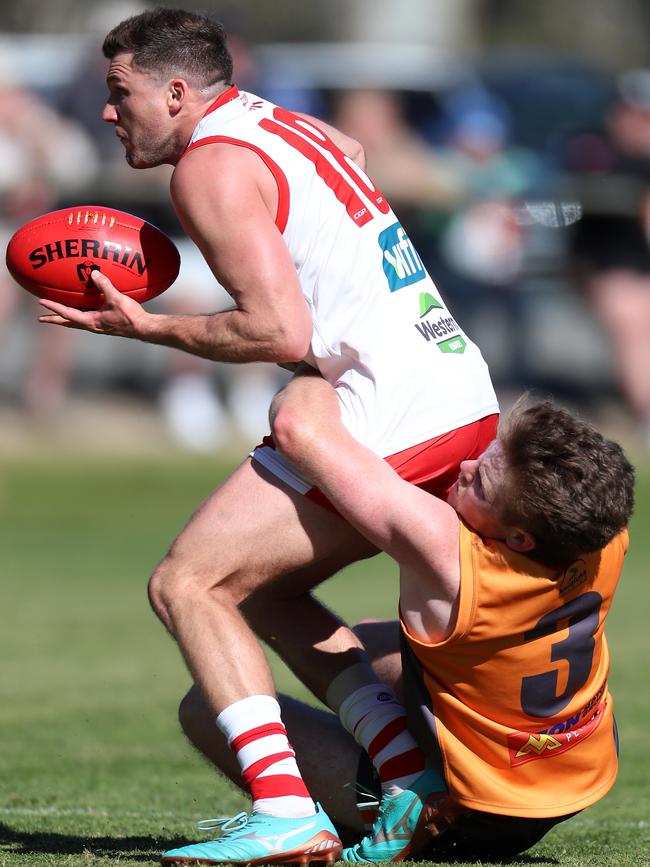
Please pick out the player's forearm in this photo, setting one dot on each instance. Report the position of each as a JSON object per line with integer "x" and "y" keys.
{"x": 231, "y": 336}
{"x": 394, "y": 515}
{"x": 307, "y": 429}
{"x": 354, "y": 479}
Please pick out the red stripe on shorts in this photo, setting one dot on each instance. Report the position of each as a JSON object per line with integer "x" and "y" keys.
{"x": 433, "y": 465}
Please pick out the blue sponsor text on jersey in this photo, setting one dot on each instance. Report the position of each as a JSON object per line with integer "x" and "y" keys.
{"x": 402, "y": 265}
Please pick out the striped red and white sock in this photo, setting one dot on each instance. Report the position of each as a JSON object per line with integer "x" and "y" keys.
{"x": 257, "y": 736}
{"x": 376, "y": 719}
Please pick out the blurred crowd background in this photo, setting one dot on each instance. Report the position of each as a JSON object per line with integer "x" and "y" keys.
{"x": 511, "y": 138}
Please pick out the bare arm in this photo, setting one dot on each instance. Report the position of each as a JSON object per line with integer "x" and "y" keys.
{"x": 418, "y": 530}
{"x": 224, "y": 198}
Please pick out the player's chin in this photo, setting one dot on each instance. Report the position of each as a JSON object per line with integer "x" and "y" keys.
{"x": 137, "y": 162}
{"x": 141, "y": 161}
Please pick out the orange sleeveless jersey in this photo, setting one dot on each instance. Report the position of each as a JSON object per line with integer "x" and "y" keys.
{"x": 523, "y": 715}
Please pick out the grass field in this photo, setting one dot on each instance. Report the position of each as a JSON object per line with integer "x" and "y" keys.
{"x": 93, "y": 769}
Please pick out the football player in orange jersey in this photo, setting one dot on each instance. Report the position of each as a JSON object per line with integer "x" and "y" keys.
{"x": 504, "y": 590}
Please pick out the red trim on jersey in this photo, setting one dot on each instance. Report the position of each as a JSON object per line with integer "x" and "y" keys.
{"x": 282, "y": 213}
{"x": 258, "y": 767}
{"x": 332, "y": 177}
{"x": 255, "y": 734}
{"x": 386, "y": 735}
{"x": 222, "y": 99}
{"x": 410, "y": 762}
{"x": 277, "y": 786}
{"x": 298, "y": 132}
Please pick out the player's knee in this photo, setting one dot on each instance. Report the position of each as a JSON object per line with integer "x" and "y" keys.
{"x": 158, "y": 590}
{"x": 176, "y": 584}
{"x": 289, "y": 428}
{"x": 170, "y": 585}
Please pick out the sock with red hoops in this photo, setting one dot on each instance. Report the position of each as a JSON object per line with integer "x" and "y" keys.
{"x": 377, "y": 721}
{"x": 371, "y": 712}
{"x": 256, "y": 735}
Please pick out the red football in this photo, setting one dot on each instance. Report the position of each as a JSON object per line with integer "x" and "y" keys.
{"x": 54, "y": 255}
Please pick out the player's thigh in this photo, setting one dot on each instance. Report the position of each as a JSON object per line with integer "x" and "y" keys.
{"x": 254, "y": 528}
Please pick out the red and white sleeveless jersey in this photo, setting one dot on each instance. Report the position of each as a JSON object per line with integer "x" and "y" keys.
{"x": 403, "y": 368}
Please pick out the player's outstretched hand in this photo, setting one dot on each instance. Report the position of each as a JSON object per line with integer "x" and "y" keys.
{"x": 118, "y": 314}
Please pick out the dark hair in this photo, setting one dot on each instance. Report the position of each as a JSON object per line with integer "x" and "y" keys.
{"x": 564, "y": 482}
{"x": 174, "y": 42}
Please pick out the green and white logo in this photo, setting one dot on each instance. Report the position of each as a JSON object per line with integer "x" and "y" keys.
{"x": 442, "y": 330}
{"x": 402, "y": 265}
{"x": 453, "y": 344}
{"x": 428, "y": 303}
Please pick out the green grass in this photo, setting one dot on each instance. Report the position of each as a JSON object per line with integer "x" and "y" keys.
{"x": 93, "y": 769}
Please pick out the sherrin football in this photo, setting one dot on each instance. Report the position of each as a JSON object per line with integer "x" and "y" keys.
{"x": 54, "y": 255}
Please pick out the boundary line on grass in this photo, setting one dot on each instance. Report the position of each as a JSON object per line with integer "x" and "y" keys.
{"x": 85, "y": 811}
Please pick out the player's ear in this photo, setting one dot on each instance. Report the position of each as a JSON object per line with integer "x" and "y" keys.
{"x": 176, "y": 95}
{"x": 520, "y": 540}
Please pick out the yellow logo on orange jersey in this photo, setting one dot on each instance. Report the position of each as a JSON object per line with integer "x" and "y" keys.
{"x": 537, "y": 744}
{"x": 526, "y": 746}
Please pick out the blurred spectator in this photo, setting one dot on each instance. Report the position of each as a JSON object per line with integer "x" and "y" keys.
{"x": 400, "y": 162}
{"x": 43, "y": 153}
{"x": 42, "y": 156}
{"x": 481, "y": 247}
{"x": 611, "y": 245}
{"x": 478, "y": 152}
{"x": 460, "y": 202}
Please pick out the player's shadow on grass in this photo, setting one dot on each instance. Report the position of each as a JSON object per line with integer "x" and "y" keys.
{"x": 13, "y": 842}
{"x": 486, "y": 860}
{"x": 150, "y": 848}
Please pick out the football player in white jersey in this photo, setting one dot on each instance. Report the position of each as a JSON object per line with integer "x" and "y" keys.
{"x": 320, "y": 270}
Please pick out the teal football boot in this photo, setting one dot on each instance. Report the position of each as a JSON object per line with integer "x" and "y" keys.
{"x": 261, "y": 839}
{"x": 406, "y": 823}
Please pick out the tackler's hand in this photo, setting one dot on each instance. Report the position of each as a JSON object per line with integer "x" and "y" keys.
{"x": 118, "y": 314}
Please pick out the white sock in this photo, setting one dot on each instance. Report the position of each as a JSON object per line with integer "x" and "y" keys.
{"x": 377, "y": 720}
{"x": 255, "y": 733}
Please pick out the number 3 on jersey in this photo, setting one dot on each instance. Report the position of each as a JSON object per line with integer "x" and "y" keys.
{"x": 311, "y": 142}
{"x": 539, "y": 691}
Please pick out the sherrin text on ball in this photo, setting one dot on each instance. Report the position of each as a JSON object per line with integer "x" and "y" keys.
{"x": 54, "y": 256}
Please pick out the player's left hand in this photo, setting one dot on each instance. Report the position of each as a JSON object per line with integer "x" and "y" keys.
{"x": 118, "y": 315}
